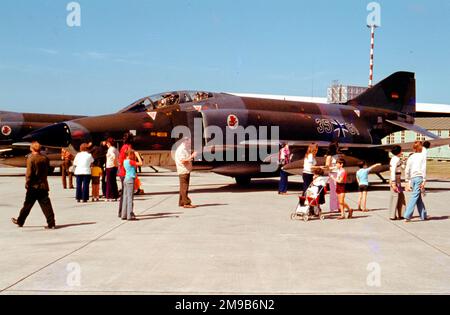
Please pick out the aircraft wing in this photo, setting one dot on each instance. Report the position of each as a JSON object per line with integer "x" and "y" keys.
{"x": 21, "y": 145}
{"x": 305, "y": 144}
{"x": 407, "y": 147}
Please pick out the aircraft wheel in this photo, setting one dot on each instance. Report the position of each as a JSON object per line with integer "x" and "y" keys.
{"x": 243, "y": 180}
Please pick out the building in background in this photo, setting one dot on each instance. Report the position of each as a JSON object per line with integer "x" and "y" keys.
{"x": 341, "y": 94}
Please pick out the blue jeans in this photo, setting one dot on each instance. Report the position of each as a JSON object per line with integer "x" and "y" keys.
{"x": 127, "y": 200}
{"x": 416, "y": 199}
{"x": 83, "y": 187}
{"x": 284, "y": 181}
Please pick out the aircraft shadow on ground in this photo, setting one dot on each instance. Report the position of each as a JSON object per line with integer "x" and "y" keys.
{"x": 386, "y": 188}
{"x": 266, "y": 185}
{"x": 13, "y": 175}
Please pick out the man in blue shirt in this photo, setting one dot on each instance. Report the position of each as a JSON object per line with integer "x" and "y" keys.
{"x": 362, "y": 176}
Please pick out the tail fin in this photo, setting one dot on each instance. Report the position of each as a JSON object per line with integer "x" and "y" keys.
{"x": 397, "y": 93}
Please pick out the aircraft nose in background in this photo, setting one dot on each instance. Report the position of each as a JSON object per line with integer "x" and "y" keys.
{"x": 57, "y": 135}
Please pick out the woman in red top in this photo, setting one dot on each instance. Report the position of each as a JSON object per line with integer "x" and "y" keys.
{"x": 341, "y": 181}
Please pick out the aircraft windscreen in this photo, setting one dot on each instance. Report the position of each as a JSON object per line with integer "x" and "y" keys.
{"x": 163, "y": 100}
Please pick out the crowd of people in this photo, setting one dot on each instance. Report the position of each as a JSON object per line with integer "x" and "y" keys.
{"x": 101, "y": 165}
{"x": 415, "y": 179}
{"x": 94, "y": 167}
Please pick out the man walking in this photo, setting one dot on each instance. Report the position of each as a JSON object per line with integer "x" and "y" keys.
{"x": 37, "y": 187}
{"x": 416, "y": 174}
{"x": 183, "y": 160}
{"x": 397, "y": 204}
{"x": 66, "y": 164}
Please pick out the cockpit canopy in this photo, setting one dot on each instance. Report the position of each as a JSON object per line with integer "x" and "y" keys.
{"x": 162, "y": 100}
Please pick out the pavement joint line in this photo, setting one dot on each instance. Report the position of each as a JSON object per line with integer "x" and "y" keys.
{"x": 413, "y": 235}
{"x": 79, "y": 248}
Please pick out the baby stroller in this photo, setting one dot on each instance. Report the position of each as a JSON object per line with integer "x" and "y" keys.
{"x": 309, "y": 205}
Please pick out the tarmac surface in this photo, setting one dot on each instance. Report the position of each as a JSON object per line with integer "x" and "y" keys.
{"x": 239, "y": 241}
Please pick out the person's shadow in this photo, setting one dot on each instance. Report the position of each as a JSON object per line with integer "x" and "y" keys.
{"x": 156, "y": 216}
{"x": 65, "y": 226}
{"x": 438, "y": 218}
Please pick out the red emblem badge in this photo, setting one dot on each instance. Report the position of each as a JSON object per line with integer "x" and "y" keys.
{"x": 6, "y": 130}
{"x": 233, "y": 121}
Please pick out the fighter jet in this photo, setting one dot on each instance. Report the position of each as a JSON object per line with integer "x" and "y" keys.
{"x": 358, "y": 126}
{"x": 14, "y": 126}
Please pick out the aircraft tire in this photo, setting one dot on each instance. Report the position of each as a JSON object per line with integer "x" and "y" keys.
{"x": 243, "y": 181}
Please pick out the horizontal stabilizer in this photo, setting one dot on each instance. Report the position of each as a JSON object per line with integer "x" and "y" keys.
{"x": 414, "y": 128}
{"x": 408, "y": 147}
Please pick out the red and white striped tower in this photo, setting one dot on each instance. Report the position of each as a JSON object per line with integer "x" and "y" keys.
{"x": 372, "y": 50}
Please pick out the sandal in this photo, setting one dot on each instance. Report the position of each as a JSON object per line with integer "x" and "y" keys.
{"x": 350, "y": 214}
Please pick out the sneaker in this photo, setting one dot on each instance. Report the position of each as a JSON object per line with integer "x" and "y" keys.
{"x": 14, "y": 221}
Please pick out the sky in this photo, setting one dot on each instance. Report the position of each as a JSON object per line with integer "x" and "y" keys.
{"x": 125, "y": 50}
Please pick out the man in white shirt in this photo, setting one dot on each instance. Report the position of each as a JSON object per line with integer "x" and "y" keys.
{"x": 398, "y": 201}
{"x": 426, "y": 146}
{"x": 416, "y": 173}
{"x": 183, "y": 160}
{"x": 112, "y": 164}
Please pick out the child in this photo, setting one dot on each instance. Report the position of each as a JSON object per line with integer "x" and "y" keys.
{"x": 129, "y": 165}
{"x": 96, "y": 172}
{"x": 362, "y": 176}
{"x": 341, "y": 181}
{"x": 321, "y": 182}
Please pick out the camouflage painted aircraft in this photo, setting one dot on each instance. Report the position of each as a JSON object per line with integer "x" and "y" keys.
{"x": 14, "y": 126}
{"x": 358, "y": 126}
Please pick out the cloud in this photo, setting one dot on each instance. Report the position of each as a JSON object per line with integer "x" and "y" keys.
{"x": 48, "y": 51}
{"x": 417, "y": 8}
{"x": 91, "y": 55}
{"x": 96, "y": 55}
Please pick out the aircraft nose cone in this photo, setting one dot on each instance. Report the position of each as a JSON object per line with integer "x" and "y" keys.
{"x": 57, "y": 135}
